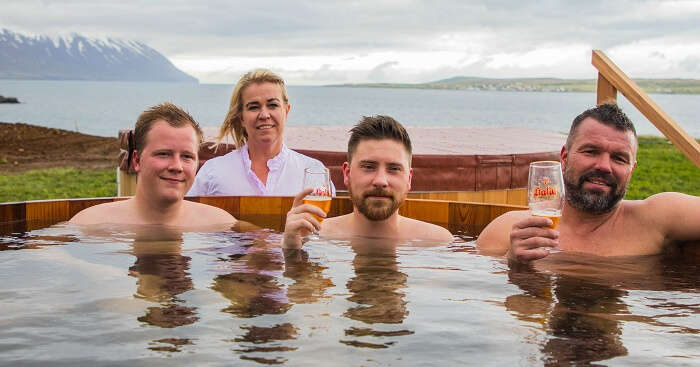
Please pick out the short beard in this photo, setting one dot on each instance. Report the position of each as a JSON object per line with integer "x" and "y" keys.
{"x": 375, "y": 210}
{"x": 593, "y": 202}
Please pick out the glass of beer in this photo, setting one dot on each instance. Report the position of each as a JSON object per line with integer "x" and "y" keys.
{"x": 318, "y": 179}
{"x": 545, "y": 190}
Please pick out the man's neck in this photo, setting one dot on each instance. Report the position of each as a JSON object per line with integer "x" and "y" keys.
{"x": 155, "y": 212}
{"x": 384, "y": 228}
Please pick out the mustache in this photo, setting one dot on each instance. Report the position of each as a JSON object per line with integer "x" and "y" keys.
{"x": 378, "y": 192}
{"x": 600, "y": 175}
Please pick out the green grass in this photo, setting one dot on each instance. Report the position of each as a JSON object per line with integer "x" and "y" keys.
{"x": 661, "y": 167}
{"x": 57, "y": 183}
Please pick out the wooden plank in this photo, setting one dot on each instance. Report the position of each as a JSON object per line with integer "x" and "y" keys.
{"x": 231, "y": 204}
{"x": 340, "y": 206}
{"x": 265, "y": 205}
{"x": 457, "y": 215}
{"x": 684, "y": 142}
{"x": 426, "y": 210}
{"x": 76, "y": 205}
{"x": 12, "y": 212}
{"x": 43, "y": 212}
{"x": 495, "y": 197}
{"x": 469, "y": 214}
{"x": 517, "y": 197}
{"x": 506, "y": 196}
{"x": 606, "y": 92}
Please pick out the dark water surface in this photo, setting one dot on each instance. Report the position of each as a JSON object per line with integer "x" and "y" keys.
{"x": 103, "y": 108}
{"x": 152, "y": 296}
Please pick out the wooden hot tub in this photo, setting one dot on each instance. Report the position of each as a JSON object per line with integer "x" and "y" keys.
{"x": 458, "y": 217}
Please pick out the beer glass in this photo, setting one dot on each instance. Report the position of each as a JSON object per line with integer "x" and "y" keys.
{"x": 318, "y": 179}
{"x": 545, "y": 190}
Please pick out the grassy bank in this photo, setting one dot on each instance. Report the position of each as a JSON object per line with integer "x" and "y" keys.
{"x": 661, "y": 168}
{"x": 57, "y": 183}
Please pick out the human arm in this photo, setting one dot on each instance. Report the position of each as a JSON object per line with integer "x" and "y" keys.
{"x": 300, "y": 221}
{"x": 519, "y": 236}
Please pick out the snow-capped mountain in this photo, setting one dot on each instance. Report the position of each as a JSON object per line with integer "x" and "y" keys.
{"x": 80, "y": 58}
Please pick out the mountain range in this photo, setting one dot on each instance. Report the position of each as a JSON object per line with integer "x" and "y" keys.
{"x": 76, "y": 57}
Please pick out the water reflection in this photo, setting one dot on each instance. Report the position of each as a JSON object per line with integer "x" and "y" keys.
{"x": 377, "y": 289}
{"x": 581, "y": 302}
{"x": 310, "y": 281}
{"x": 257, "y": 335}
{"x": 162, "y": 274}
{"x": 377, "y": 284}
{"x": 251, "y": 268}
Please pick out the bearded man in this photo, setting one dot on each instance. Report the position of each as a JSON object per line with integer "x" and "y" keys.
{"x": 378, "y": 176}
{"x": 597, "y": 162}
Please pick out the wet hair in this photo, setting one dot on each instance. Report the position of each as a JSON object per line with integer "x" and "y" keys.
{"x": 168, "y": 112}
{"x": 376, "y": 128}
{"x": 232, "y": 124}
{"x": 608, "y": 114}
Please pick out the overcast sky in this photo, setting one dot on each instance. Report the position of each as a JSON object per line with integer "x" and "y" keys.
{"x": 324, "y": 42}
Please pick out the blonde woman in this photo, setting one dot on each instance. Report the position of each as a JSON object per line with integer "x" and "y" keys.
{"x": 261, "y": 165}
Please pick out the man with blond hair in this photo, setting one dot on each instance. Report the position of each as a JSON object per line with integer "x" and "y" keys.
{"x": 164, "y": 154}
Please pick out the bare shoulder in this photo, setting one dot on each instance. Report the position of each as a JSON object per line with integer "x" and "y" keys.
{"x": 416, "y": 229}
{"x": 203, "y": 214}
{"x": 674, "y": 213}
{"x": 495, "y": 238}
{"x": 113, "y": 212}
{"x": 662, "y": 207}
{"x": 667, "y": 200}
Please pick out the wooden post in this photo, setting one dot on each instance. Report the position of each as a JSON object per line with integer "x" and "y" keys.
{"x": 611, "y": 73}
{"x": 126, "y": 183}
{"x": 606, "y": 92}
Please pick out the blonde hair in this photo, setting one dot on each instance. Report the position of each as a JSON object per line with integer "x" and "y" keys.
{"x": 232, "y": 124}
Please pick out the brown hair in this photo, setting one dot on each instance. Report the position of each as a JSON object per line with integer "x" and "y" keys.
{"x": 168, "y": 112}
{"x": 232, "y": 124}
{"x": 608, "y": 114}
{"x": 376, "y": 128}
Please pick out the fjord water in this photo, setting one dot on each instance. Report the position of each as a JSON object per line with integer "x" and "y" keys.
{"x": 152, "y": 296}
{"x": 103, "y": 108}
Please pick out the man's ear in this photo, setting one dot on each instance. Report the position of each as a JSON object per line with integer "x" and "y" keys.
{"x": 410, "y": 177}
{"x": 136, "y": 161}
{"x": 346, "y": 172}
{"x": 563, "y": 156}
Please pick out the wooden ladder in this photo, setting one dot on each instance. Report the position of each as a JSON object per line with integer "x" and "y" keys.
{"x": 611, "y": 80}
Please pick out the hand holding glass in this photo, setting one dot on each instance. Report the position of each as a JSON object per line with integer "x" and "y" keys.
{"x": 545, "y": 190}
{"x": 318, "y": 179}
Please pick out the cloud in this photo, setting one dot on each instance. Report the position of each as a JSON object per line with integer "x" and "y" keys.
{"x": 315, "y": 42}
{"x": 382, "y": 72}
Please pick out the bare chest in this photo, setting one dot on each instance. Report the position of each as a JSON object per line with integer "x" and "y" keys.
{"x": 616, "y": 239}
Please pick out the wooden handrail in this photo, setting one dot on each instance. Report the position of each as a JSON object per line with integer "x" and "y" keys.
{"x": 611, "y": 79}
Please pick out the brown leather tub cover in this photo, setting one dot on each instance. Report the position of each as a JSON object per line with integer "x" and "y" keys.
{"x": 431, "y": 172}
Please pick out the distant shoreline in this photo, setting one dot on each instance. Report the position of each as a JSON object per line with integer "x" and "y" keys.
{"x": 651, "y": 86}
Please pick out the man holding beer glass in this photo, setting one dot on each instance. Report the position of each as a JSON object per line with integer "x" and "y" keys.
{"x": 378, "y": 176}
{"x": 597, "y": 162}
